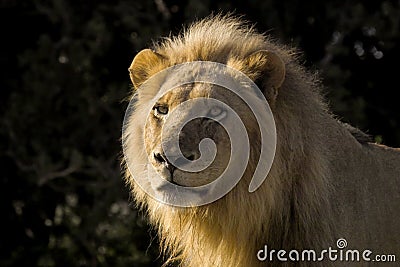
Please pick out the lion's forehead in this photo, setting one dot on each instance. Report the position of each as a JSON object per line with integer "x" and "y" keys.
{"x": 178, "y": 95}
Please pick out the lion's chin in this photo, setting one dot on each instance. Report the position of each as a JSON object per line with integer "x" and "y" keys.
{"x": 182, "y": 193}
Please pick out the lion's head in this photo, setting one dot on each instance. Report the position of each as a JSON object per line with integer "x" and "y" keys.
{"x": 256, "y": 64}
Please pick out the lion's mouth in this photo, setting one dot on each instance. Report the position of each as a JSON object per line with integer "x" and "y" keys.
{"x": 170, "y": 178}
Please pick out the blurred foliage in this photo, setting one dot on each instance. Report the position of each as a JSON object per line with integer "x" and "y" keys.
{"x": 63, "y": 80}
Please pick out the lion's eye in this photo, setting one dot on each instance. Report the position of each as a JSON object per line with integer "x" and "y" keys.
{"x": 217, "y": 113}
{"x": 160, "y": 110}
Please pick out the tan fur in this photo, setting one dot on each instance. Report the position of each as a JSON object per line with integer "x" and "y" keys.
{"x": 324, "y": 184}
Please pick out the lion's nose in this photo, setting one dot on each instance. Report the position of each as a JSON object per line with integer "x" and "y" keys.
{"x": 162, "y": 159}
{"x": 175, "y": 162}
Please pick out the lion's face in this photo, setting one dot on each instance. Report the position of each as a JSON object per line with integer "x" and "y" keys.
{"x": 192, "y": 133}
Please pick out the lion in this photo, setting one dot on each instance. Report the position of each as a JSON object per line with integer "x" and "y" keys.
{"x": 328, "y": 180}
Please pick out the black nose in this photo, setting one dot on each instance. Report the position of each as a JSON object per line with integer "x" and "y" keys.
{"x": 162, "y": 159}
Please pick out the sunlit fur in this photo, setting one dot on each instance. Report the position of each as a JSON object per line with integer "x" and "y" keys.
{"x": 316, "y": 190}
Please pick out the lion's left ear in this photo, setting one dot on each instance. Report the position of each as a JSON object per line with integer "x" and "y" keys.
{"x": 268, "y": 67}
{"x": 145, "y": 63}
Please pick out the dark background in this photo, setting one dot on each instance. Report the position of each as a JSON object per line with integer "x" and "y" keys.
{"x": 63, "y": 82}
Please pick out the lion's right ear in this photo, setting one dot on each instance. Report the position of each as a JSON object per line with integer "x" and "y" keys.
{"x": 268, "y": 67}
{"x": 145, "y": 63}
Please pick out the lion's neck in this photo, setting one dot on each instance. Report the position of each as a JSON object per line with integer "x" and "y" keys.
{"x": 303, "y": 216}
